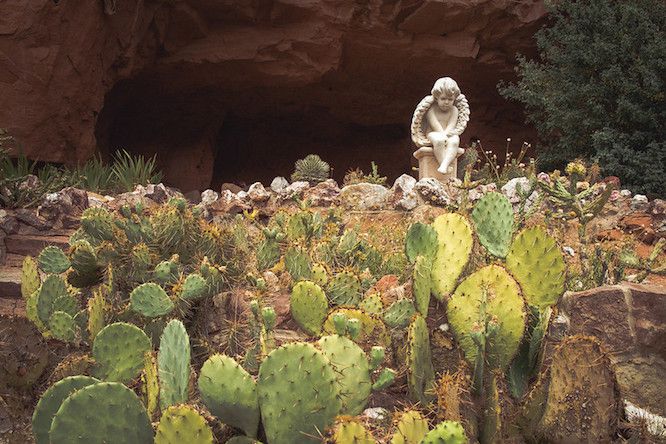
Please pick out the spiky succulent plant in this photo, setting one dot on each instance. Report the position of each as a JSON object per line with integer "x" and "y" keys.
{"x": 311, "y": 169}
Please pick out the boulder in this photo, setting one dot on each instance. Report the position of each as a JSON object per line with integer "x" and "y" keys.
{"x": 403, "y": 196}
{"x": 364, "y": 196}
{"x": 433, "y": 192}
{"x": 324, "y": 194}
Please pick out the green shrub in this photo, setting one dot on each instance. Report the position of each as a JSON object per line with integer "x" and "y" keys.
{"x": 129, "y": 171}
{"x": 597, "y": 89}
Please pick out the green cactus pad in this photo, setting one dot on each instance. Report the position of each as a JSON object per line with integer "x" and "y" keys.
{"x": 319, "y": 274}
{"x": 421, "y": 375}
{"x": 344, "y": 289}
{"x": 372, "y": 304}
{"x": 166, "y": 272}
{"x": 493, "y": 218}
{"x": 399, "y": 313}
{"x": 353, "y": 371}
{"x": 51, "y": 401}
{"x": 238, "y": 439}
{"x": 183, "y": 424}
{"x": 150, "y": 300}
{"x": 309, "y": 306}
{"x": 194, "y": 287}
{"x": 348, "y": 431}
{"x": 106, "y": 412}
{"x": 96, "y": 307}
{"x": 537, "y": 264}
{"x": 422, "y": 284}
{"x": 297, "y": 263}
{"x": 62, "y": 326}
{"x": 150, "y": 387}
{"x": 52, "y": 288}
{"x": 411, "y": 428}
{"x": 446, "y": 432}
{"x": 500, "y": 304}
{"x": 53, "y": 260}
{"x": 119, "y": 350}
{"x": 298, "y": 395}
{"x": 268, "y": 254}
{"x": 86, "y": 270}
{"x": 455, "y": 241}
{"x": 372, "y": 327}
{"x": 29, "y": 277}
{"x": 66, "y": 303}
{"x": 230, "y": 393}
{"x": 173, "y": 363}
{"x": 98, "y": 223}
{"x": 421, "y": 240}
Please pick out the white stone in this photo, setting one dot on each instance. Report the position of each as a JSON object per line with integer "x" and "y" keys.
{"x": 510, "y": 189}
{"x": 639, "y": 203}
{"x": 241, "y": 194}
{"x": 570, "y": 251}
{"x": 364, "y": 196}
{"x": 208, "y": 197}
{"x": 403, "y": 195}
{"x": 258, "y": 193}
{"x": 655, "y": 424}
{"x": 432, "y": 191}
{"x": 295, "y": 189}
{"x": 376, "y": 413}
{"x": 625, "y": 193}
{"x": 279, "y": 183}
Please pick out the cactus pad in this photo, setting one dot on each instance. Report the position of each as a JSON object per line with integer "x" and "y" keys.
{"x": 150, "y": 387}
{"x": 173, "y": 363}
{"x": 351, "y": 366}
{"x": 119, "y": 350}
{"x": 298, "y": 394}
{"x": 52, "y": 288}
{"x": 489, "y": 295}
{"x": 347, "y": 431}
{"x": 319, "y": 274}
{"x": 183, "y": 424}
{"x": 96, "y": 307}
{"x": 421, "y": 240}
{"x": 230, "y": 393}
{"x": 372, "y": 327}
{"x": 372, "y": 304}
{"x": 106, "y": 412}
{"x": 62, "y": 326}
{"x": 150, "y": 300}
{"x": 86, "y": 270}
{"x": 98, "y": 223}
{"x": 446, "y": 432}
{"x": 421, "y": 375}
{"x": 308, "y": 306}
{"x": 51, "y": 401}
{"x": 29, "y": 277}
{"x": 166, "y": 272}
{"x": 454, "y": 246}
{"x": 194, "y": 287}
{"x": 344, "y": 289}
{"x": 422, "y": 284}
{"x": 53, "y": 260}
{"x": 399, "y": 313}
{"x": 493, "y": 218}
{"x": 537, "y": 264}
{"x": 411, "y": 428}
{"x": 298, "y": 264}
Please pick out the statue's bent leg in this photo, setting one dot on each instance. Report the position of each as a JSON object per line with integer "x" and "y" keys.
{"x": 450, "y": 154}
{"x": 439, "y": 143}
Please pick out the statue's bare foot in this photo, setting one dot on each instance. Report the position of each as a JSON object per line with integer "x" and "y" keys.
{"x": 461, "y": 150}
{"x": 441, "y": 170}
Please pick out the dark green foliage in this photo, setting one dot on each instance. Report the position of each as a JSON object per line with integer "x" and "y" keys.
{"x": 597, "y": 90}
{"x": 311, "y": 169}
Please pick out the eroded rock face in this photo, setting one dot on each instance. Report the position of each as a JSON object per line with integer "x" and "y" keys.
{"x": 234, "y": 90}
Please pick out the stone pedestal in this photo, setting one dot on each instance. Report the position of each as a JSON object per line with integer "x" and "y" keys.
{"x": 428, "y": 165}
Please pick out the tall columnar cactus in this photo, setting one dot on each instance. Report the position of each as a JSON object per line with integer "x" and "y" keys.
{"x": 446, "y": 432}
{"x": 183, "y": 424}
{"x": 348, "y": 431}
{"x": 298, "y": 394}
{"x": 51, "y": 401}
{"x": 173, "y": 364}
{"x": 487, "y": 307}
{"x": 119, "y": 350}
{"x": 421, "y": 240}
{"x": 422, "y": 284}
{"x": 309, "y": 306}
{"x": 230, "y": 393}
{"x": 150, "y": 300}
{"x": 53, "y": 260}
{"x": 537, "y": 264}
{"x": 493, "y": 217}
{"x": 411, "y": 428}
{"x": 344, "y": 288}
{"x": 103, "y": 412}
{"x": 421, "y": 375}
{"x": 455, "y": 241}
{"x": 582, "y": 402}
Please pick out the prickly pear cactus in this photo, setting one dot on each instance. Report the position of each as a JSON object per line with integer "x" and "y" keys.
{"x": 194, "y": 287}
{"x": 98, "y": 224}
{"x": 373, "y": 328}
{"x": 53, "y": 260}
{"x": 298, "y": 264}
{"x": 51, "y": 289}
{"x": 62, "y": 326}
{"x": 347, "y": 431}
{"x": 238, "y": 439}
{"x": 536, "y": 262}
{"x": 454, "y": 246}
{"x": 319, "y": 274}
{"x": 106, "y": 412}
{"x": 96, "y": 308}
{"x": 372, "y": 304}
{"x": 23, "y": 352}
{"x": 150, "y": 300}
{"x": 446, "y": 432}
{"x": 166, "y": 272}
{"x": 344, "y": 289}
{"x": 421, "y": 240}
{"x": 298, "y": 395}
{"x": 421, "y": 375}
{"x": 309, "y": 306}
{"x": 422, "y": 284}
{"x": 488, "y": 299}
{"x": 29, "y": 278}
{"x": 411, "y": 428}
{"x": 150, "y": 388}
{"x": 86, "y": 270}
{"x": 183, "y": 424}
{"x": 173, "y": 363}
{"x": 119, "y": 351}
{"x": 493, "y": 218}
{"x": 51, "y": 401}
{"x": 230, "y": 393}
{"x": 353, "y": 370}
{"x": 399, "y": 314}
{"x": 582, "y": 403}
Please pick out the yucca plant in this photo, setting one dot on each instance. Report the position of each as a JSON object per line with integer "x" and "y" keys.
{"x": 95, "y": 175}
{"x": 129, "y": 171}
{"x": 311, "y": 169}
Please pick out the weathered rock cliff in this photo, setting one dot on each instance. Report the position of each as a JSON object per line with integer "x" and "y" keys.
{"x": 237, "y": 89}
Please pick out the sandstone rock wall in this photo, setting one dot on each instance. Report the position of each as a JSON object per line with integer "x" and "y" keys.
{"x": 187, "y": 78}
